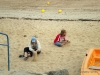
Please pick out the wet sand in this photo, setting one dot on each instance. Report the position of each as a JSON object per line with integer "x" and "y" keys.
{"x": 71, "y": 9}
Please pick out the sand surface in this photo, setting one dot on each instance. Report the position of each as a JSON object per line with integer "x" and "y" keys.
{"x": 72, "y": 9}
{"x": 83, "y": 36}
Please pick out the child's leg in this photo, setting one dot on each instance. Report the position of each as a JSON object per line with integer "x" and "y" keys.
{"x": 26, "y": 50}
{"x": 28, "y": 54}
{"x": 25, "y": 54}
{"x": 58, "y": 44}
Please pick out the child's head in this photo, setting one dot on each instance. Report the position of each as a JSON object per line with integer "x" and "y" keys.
{"x": 63, "y": 32}
{"x": 33, "y": 41}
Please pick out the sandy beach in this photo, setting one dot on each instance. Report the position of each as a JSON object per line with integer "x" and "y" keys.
{"x": 82, "y": 34}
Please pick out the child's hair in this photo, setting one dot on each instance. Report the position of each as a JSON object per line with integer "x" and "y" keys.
{"x": 62, "y": 32}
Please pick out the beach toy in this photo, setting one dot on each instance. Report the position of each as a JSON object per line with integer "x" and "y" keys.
{"x": 42, "y": 10}
{"x": 59, "y": 11}
{"x": 91, "y": 62}
{"x": 48, "y": 3}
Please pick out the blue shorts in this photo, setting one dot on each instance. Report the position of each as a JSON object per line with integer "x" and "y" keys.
{"x": 58, "y": 44}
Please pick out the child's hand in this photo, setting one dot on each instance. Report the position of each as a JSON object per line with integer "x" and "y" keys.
{"x": 68, "y": 41}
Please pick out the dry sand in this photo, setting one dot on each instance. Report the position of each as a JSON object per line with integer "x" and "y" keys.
{"x": 83, "y": 36}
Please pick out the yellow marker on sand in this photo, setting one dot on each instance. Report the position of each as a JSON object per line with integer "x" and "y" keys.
{"x": 48, "y": 3}
{"x": 59, "y": 11}
{"x": 42, "y": 10}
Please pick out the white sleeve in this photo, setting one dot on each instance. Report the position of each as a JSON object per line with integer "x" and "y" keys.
{"x": 38, "y": 45}
{"x": 30, "y": 47}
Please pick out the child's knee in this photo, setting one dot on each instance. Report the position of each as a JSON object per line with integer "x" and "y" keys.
{"x": 58, "y": 44}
